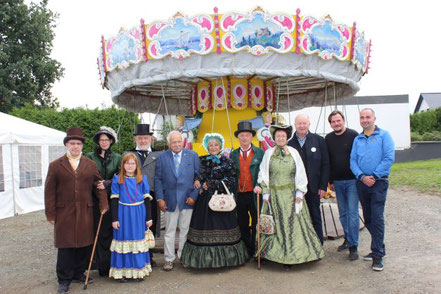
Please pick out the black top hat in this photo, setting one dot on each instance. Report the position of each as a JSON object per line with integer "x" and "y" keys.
{"x": 143, "y": 129}
{"x": 244, "y": 126}
{"x": 74, "y": 134}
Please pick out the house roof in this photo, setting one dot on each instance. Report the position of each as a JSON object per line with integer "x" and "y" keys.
{"x": 433, "y": 100}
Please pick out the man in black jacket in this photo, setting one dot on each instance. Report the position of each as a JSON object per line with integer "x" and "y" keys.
{"x": 312, "y": 149}
{"x": 147, "y": 156}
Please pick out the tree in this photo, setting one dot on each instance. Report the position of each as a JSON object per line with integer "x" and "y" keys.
{"x": 90, "y": 120}
{"x": 27, "y": 72}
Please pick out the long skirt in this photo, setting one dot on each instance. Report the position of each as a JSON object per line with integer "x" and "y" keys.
{"x": 213, "y": 239}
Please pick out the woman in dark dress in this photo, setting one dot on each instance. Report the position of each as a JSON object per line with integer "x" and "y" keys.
{"x": 108, "y": 164}
{"x": 213, "y": 240}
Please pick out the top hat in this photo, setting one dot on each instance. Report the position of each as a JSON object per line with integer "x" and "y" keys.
{"x": 287, "y": 129}
{"x": 143, "y": 129}
{"x": 244, "y": 126}
{"x": 108, "y": 131}
{"x": 74, "y": 134}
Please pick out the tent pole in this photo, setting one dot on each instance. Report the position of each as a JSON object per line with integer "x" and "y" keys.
{"x": 13, "y": 179}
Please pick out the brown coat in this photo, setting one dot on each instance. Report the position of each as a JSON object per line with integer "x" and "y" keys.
{"x": 68, "y": 201}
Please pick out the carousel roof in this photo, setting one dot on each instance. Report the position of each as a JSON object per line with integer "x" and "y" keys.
{"x": 157, "y": 67}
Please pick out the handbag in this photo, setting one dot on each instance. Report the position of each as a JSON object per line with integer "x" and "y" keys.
{"x": 149, "y": 238}
{"x": 222, "y": 202}
{"x": 266, "y": 221}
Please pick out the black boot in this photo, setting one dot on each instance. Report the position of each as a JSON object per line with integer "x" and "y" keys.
{"x": 343, "y": 246}
{"x": 353, "y": 253}
{"x": 63, "y": 288}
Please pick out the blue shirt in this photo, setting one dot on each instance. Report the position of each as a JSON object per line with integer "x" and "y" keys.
{"x": 301, "y": 141}
{"x": 373, "y": 155}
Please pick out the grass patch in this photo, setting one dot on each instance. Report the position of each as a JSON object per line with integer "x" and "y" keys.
{"x": 424, "y": 176}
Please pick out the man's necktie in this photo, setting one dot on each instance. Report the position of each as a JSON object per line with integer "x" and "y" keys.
{"x": 176, "y": 161}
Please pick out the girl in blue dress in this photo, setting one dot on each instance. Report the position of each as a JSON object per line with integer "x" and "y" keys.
{"x": 130, "y": 205}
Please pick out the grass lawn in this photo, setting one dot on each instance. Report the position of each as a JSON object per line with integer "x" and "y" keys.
{"x": 424, "y": 176}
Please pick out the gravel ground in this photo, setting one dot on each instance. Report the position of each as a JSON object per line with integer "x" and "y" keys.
{"x": 412, "y": 265}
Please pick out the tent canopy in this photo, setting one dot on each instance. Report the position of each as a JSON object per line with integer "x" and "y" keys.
{"x": 17, "y": 130}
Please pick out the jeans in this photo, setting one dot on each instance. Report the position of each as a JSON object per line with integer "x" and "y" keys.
{"x": 347, "y": 200}
{"x": 373, "y": 200}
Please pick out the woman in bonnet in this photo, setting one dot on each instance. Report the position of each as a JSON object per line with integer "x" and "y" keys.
{"x": 213, "y": 240}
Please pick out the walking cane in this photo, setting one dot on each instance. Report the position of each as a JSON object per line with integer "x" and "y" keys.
{"x": 258, "y": 231}
{"x": 93, "y": 252}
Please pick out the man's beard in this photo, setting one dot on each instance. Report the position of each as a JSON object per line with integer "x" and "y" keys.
{"x": 144, "y": 147}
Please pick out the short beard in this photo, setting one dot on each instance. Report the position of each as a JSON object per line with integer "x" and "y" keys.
{"x": 143, "y": 149}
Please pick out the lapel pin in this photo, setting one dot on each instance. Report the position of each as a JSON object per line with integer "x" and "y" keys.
{"x": 313, "y": 149}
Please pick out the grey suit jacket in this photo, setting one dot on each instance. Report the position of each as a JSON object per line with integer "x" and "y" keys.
{"x": 148, "y": 168}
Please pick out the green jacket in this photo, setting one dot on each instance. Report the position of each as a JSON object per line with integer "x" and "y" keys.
{"x": 254, "y": 167}
{"x": 112, "y": 167}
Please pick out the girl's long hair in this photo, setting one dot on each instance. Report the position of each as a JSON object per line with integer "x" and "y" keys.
{"x": 123, "y": 173}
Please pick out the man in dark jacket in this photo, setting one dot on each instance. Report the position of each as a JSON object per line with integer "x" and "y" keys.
{"x": 315, "y": 157}
{"x": 147, "y": 157}
{"x": 247, "y": 159}
{"x": 69, "y": 207}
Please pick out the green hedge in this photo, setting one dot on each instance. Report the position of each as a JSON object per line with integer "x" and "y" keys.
{"x": 90, "y": 120}
{"x": 426, "y": 126}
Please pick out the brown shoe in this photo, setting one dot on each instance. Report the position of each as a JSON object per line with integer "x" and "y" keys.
{"x": 168, "y": 266}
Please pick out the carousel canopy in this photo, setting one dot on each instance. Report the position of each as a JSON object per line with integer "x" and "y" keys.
{"x": 297, "y": 61}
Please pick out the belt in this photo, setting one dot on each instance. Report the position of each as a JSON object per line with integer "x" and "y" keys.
{"x": 131, "y": 204}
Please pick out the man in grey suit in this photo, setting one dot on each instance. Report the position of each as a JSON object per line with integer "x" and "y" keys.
{"x": 175, "y": 173}
{"x": 147, "y": 157}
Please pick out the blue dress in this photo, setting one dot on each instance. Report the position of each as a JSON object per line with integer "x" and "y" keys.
{"x": 130, "y": 257}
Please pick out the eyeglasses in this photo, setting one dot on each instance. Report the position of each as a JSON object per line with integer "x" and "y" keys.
{"x": 75, "y": 143}
{"x": 129, "y": 163}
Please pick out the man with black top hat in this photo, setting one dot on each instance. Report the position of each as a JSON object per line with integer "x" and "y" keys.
{"x": 147, "y": 157}
{"x": 70, "y": 181}
{"x": 247, "y": 159}
{"x": 314, "y": 153}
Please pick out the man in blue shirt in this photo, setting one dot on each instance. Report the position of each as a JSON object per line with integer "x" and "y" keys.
{"x": 372, "y": 156}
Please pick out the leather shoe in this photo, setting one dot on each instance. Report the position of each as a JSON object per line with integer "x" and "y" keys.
{"x": 343, "y": 246}
{"x": 63, "y": 288}
{"x": 168, "y": 266}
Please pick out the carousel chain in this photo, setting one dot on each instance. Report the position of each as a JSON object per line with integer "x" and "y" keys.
{"x": 289, "y": 106}
{"x": 321, "y": 109}
{"x": 278, "y": 97}
{"x": 228, "y": 115}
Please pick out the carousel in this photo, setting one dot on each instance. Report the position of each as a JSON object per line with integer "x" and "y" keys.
{"x": 214, "y": 70}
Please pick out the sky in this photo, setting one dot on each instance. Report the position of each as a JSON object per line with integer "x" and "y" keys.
{"x": 405, "y": 39}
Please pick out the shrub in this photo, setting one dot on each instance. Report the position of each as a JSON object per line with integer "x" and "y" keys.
{"x": 90, "y": 120}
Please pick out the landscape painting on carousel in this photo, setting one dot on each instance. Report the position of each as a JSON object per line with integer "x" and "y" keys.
{"x": 361, "y": 52}
{"x": 257, "y": 32}
{"x": 325, "y": 38}
{"x": 180, "y": 37}
{"x": 125, "y": 49}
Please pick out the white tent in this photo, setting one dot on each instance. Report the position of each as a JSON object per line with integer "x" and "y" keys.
{"x": 26, "y": 148}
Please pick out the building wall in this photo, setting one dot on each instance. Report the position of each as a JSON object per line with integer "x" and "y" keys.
{"x": 393, "y": 117}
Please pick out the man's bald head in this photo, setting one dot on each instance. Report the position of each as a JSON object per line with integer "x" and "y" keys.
{"x": 302, "y": 124}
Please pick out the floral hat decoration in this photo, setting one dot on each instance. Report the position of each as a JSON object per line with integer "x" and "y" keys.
{"x": 209, "y": 136}
{"x": 288, "y": 129}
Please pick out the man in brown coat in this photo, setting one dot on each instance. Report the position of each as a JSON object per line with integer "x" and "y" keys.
{"x": 69, "y": 207}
